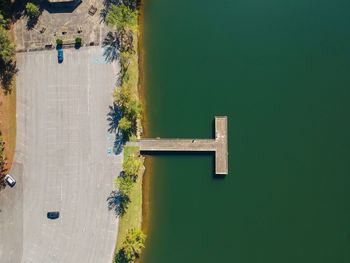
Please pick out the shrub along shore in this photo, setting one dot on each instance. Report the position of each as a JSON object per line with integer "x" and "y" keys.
{"x": 126, "y": 116}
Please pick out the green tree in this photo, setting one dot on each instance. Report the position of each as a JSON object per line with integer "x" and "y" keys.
{"x": 124, "y": 184}
{"x": 59, "y": 42}
{"x": 124, "y": 125}
{"x": 78, "y": 42}
{"x": 127, "y": 104}
{"x": 133, "y": 244}
{"x": 132, "y": 166}
{"x": 122, "y": 96}
{"x": 6, "y": 6}
{"x": 3, "y": 22}
{"x": 32, "y": 10}
{"x": 7, "y": 48}
{"x": 133, "y": 109}
{"x": 124, "y": 61}
{"x": 118, "y": 202}
{"x": 124, "y": 58}
{"x": 122, "y": 18}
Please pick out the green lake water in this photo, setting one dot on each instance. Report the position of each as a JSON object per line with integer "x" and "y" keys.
{"x": 280, "y": 71}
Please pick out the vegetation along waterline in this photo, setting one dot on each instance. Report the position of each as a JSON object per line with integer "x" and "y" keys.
{"x": 125, "y": 117}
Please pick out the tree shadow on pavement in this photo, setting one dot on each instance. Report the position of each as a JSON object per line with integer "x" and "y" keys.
{"x": 113, "y": 117}
{"x": 31, "y": 22}
{"x": 119, "y": 143}
{"x": 110, "y": 45}
{"x": 60, "y": 7}
{"x": 118, "y": 202}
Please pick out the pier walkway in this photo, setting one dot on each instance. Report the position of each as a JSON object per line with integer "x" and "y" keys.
{"x": 218, "y": 145}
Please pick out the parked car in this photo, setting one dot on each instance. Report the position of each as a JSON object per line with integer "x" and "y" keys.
{"x": 10, "y": 181}
{"x": 60, "y": 55}
{"x": 53, "y": 215}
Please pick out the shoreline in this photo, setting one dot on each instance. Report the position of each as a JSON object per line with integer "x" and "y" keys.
{"x": 148, "y": 162}
{"x": 137, "y": 214}
{"x": 142, "y": 87}
{"x": 133, "y": 217}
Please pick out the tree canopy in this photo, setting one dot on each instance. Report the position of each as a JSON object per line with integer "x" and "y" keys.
{"x": 32, "y": 10}
{"x": 124, "y": 184}
{"x": 5, "y": 6}
{"x": 124, "y": 125}
{"x": 122, "y": 96}
{"x": 133, "y": 109}
{"x": 7, "y": 48}
{"x": 132, "y": 166}
{"x": 122, "y": 18}
{"x": 129, "y": 106}
{"x": 133, "y": 244}
{"x": 3, "y": 22}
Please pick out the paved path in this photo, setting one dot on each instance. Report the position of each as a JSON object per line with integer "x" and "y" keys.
{"x": 62, "y": 161}
{"x": 64, "y": 22}
{"x": 198, "y": 145}
{"x": 218, "y": 145}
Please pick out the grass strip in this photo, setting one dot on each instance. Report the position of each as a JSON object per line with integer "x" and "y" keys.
{"x": 133, "y": 216}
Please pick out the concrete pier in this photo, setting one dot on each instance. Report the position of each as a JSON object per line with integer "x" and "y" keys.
{"x": 218, "y": 145}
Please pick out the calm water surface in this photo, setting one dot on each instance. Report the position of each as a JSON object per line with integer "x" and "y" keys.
{"x": 280, "y": 70}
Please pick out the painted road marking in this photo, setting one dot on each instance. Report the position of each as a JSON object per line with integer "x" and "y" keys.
{"x": 109, "y": 151}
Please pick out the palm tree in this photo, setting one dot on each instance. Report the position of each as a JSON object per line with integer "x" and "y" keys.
{"x": 118, "y": 202}
{"x": 133, "y": 244}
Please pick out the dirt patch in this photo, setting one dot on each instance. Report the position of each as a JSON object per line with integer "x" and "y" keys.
{"x": 8, "y": 114}
{"x": 8, "y": 122}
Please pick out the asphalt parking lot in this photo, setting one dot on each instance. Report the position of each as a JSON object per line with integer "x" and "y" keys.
{"x": 63, "y": 161}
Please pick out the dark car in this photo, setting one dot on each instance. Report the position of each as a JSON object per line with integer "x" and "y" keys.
{"x": 60, "y": 55}
{"x": 10, "y": 181}
{"x": 53, "y": 215}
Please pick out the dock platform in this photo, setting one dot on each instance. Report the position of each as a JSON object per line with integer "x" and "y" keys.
{"x": 218, "y": 145}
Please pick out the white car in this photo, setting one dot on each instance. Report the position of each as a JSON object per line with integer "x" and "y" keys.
{"x": 10, "y": 180}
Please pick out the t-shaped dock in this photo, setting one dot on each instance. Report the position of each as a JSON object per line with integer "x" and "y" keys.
{"x": 217, "y": 145}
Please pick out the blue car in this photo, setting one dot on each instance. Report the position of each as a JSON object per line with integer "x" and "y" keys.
{"x": 60, "y": 55}
{"x": 53, "y": 215}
